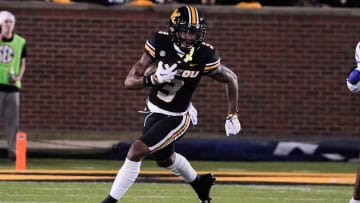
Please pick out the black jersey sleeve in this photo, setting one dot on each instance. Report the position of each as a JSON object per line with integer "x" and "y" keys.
{"x": 212, "y": 60}
{"x": 157, "y": 42}
{"x": 150, "y": 47}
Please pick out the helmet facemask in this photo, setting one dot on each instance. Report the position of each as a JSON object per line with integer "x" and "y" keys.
{"x": 188, "y": 38}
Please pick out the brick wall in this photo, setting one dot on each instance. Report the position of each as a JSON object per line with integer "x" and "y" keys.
{"x": 291, "y": 64}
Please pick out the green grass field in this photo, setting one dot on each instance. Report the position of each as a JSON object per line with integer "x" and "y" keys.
{"x": 175, "y": 193}
{"x": 94, "y": 192}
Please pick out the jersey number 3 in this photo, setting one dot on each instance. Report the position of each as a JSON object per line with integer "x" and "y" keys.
{"x": 168, "y": 92}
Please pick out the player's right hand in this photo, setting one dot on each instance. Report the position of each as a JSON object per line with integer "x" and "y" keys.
{"x": 165, "y": 73}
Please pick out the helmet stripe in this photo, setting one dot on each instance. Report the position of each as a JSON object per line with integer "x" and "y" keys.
{"x": 189, "y": 14}
{"x": 194, "y": 16}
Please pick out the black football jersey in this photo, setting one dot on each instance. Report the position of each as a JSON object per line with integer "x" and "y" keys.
{"x": 176, "y": 96}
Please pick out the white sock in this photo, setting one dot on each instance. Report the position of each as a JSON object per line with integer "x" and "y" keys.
{"x": 182, "y": 168}
{"x": 125, "y": 177}
{"x": 354, "y": 201}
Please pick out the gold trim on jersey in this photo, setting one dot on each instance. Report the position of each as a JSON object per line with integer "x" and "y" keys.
{"x": 212, "y": 66}
{"x": 169, "y": 139}
{"x": 207, "y": 68}
{"x": 150, "y": 49}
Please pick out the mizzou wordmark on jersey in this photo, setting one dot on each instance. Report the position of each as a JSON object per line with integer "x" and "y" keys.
{"x": 176, "y": 96}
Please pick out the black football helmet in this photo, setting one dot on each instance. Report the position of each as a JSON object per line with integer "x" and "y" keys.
{"x": 187, "y": 19}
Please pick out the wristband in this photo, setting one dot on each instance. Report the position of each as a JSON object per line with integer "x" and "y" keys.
{"x": 147, "y": 81}
{"x": 150, "y": 80}
{"x": 231, "y": 115}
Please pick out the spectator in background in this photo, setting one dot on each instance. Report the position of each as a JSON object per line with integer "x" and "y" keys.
{"x": 353, "y": 84}
{"x": 12, "y": 68}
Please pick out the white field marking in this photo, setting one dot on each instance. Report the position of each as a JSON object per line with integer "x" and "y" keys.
{"x": 302, "y": 171}
{"x": 232, "y": 169}
{"x": 48, "y": 195}
{"x": 21, "y": 202}
{"x": 83, "y": 168}
{"x": 292, "y": 199}
{"x": 298, "y": 188}
{"x": 33, "y": 202}
{"x": 153, "y": 197}
{"x": 273, "y": 187}
{"x": 157, "y": 197}
{"x": 244, "y": 170}
{"x": 44, "y": 188}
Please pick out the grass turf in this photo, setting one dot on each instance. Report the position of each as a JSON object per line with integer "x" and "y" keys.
{"x": 175, "y": 193}
{"x": 74, "y": 192}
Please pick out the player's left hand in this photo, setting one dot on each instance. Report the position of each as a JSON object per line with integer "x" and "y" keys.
{"x": 232, "y": 125}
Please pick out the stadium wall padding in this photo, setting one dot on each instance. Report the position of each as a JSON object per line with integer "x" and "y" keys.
{"x": 230, "y": 150}
{"x": 291, "y": 64}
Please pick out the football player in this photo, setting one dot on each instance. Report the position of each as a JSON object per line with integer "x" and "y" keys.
{"x": 353, "y": 83}
{"x": 181, "y": 58}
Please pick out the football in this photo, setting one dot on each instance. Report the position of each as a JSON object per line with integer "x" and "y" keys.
{"x": 151, "y": 69}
